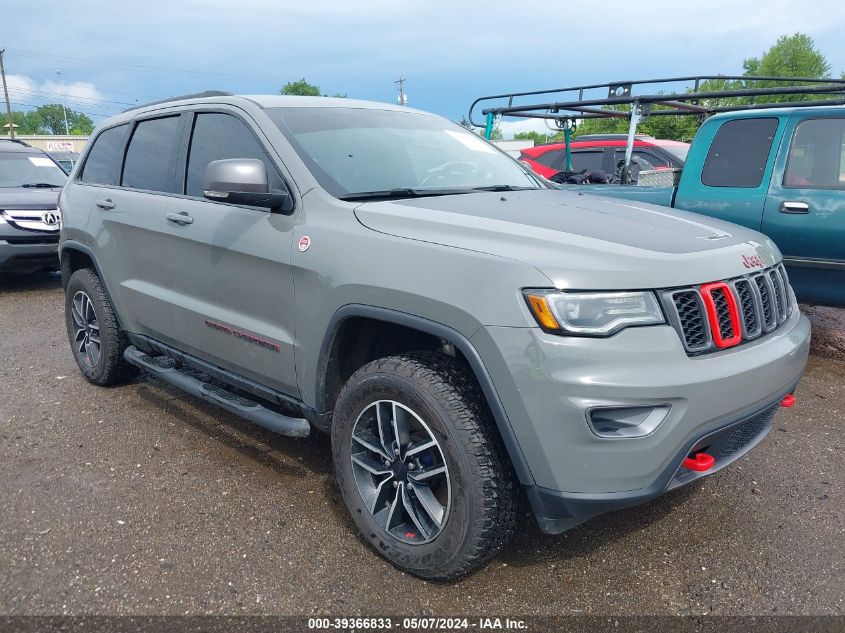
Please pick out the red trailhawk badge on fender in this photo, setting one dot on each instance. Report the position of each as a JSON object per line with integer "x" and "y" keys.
{"x": 752, "y": 261}
{"x": 304, "y": 243}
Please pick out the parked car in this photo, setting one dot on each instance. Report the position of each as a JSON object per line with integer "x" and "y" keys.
{"x": 466, "y": 334}
{"x": 29, "y": 218}
{"x": 604, "y": 152}
{"x": 65, "y": 159}
{"x": 779, "y": 171}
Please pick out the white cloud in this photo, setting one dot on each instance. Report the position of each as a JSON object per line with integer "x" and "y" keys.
{"x": 78, "y": 95}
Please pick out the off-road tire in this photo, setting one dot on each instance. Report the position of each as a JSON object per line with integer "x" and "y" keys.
{"x": 483, "y": 508}
{"x": 110, "y": 368}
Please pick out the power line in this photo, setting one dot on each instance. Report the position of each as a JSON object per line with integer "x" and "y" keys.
{"x": 70, "y": 97}
{"x": 140, "y": 66}
{"x": 33, "y": 105}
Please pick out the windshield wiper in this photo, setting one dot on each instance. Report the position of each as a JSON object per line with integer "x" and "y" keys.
{"x": 401, "y": 192}
{"x": 504, "y": 188}
{"x": 39, "y": 185}
{"x": 410, "y": 192}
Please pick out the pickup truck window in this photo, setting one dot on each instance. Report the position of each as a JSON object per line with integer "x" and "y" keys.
{"x": 739, "y": 152}
{"x": 817, "y": 155}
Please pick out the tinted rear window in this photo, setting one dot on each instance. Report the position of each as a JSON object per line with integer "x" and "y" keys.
{"x": 591, "y": 161}
{"x": 817, "y": 155}
{"x": 102, "y": 167}
{"x": 552, "y": 158}
{"x": 149, "y": 157}
{"x": 738, "y": 154}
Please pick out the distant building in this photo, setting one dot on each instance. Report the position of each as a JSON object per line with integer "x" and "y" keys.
{"x": 53, "y": 142}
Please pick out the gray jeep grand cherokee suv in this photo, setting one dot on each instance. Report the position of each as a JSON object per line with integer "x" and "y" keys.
{"x": 29, "y": 220}
{"x": 468, "y": 336}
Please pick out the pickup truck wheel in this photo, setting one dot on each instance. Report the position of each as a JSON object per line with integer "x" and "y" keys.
{"x": 420, "y": 467}
{"x": 94, "y": 334}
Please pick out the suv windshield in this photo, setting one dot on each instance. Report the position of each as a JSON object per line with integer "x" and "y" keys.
{"x": 360, "y": 153}
{"x": 24, "y": 169}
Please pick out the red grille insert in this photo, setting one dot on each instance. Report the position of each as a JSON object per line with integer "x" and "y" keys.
{"x": 722, "y": 314}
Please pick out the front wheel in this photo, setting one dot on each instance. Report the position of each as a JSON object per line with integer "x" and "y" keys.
{"x": 420, "y": 467}
{"x": 93, "y": 331}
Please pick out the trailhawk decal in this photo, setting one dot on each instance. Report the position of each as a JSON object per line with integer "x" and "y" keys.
{"x": 243, "y": 335}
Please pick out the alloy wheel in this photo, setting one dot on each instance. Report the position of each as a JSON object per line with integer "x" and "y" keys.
{"x": 400, "y": 472}
{"x": 86, "y": 328}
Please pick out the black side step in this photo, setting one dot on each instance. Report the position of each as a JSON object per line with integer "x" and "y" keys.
{"x": 165, "y": 368}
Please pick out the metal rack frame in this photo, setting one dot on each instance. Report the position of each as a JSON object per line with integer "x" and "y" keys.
{"x": 564, "y": 108}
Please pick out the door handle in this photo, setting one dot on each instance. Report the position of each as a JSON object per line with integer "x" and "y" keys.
{"x": 794, "y": 207}
{"x": 106, "y": 204}
{"x": 179, "y": 218}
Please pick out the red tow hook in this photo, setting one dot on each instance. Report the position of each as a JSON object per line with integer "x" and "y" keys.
{"x": 700, "y": 461}
{"x": 788, "y": 401}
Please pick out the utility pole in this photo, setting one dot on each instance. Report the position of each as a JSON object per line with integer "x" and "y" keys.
{"x": 403, "y": 98}
{"x": 64, "y": 110}
{"x": 6, "y": 93}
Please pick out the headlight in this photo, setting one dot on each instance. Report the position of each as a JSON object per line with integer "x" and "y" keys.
{"x": 593, "y": 313}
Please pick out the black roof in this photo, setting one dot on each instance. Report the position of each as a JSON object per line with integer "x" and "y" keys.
{"x": 16, "y": 145}
{"x": 193, "y": 95}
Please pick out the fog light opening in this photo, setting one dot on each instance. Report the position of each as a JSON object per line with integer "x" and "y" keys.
{"x": 626, "y": 422}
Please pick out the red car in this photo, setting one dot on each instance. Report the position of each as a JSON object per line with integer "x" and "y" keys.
{"x": 603, "y": 152}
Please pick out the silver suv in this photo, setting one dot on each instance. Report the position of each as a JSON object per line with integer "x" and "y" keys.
{"x": 468, "y": 336}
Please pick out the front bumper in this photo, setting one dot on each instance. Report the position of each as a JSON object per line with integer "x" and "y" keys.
{"x": 547, "y": 383}
{"x": 27, "y": 251}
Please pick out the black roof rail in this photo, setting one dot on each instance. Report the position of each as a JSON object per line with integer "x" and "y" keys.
{"x": 562, "y": 105}
{"x": 16, "y": 140}
{"x": 193, "y": 95}
{"x": 607, "y": 137}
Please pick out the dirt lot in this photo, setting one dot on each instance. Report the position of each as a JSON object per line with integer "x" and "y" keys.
{"x": 139, "y": 500}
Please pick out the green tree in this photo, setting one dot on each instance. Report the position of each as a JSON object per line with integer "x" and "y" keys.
{"x": 50, "y": 119}
{"x": 531, "y": 135}
{"x": 300, "y": 88}
{"x": 791, "y": 56}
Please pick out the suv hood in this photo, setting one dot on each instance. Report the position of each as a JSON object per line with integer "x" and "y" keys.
{"x": 26, "y": 198}
{"x": 579, "y": 241}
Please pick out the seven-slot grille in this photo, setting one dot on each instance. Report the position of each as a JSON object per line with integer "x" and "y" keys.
{"x": 724, "y": 314}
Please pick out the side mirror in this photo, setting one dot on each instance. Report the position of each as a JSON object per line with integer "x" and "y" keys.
{"x": 243, "y": 181}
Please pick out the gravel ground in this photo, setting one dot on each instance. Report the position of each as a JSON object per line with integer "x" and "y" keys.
{"x": 139, "y": 500}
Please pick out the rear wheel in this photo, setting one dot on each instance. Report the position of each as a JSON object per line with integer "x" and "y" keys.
{"x": 420, "y": 467}
{"x": 94, "y": 334}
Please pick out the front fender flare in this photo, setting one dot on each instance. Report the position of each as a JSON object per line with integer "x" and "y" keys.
{"x": 461, "y": 342}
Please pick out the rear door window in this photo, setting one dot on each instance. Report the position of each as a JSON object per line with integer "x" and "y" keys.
{"x": 591, "y": 160}
{"x": 645, "y": 160}
{"x": 817, "y": 155}
{"x": 739, "y": 152}
{"x": 218, "y": 136}
{"x": 150, "y": 157}
{"x": 102, "y": 167}
{"x": 553, "y": 159}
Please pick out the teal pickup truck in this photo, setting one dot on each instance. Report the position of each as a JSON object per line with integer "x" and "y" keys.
{"x": 779, "y": 171}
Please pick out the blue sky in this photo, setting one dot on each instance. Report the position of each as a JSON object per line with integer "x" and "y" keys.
{"x": 113, "y": 56}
